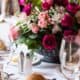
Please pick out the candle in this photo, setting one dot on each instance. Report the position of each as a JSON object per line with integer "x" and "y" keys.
{"x": 27, "y": 64}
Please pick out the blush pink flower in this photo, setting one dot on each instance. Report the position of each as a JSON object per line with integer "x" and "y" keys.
{"x": 27, "y": 8}
{"x": 43, "y": 15}
{"x": 14, "y": 33}
{"x": 67, "y": 20}
{"x": 42, "y": 23}
{"x": 35, "y": 28}
{"x": 51, "y": 21}
{"x": 73, "y": 8}
{"x": 49, "y": 42}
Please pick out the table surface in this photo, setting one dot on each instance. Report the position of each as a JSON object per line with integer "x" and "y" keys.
{"x": 47, "y": 69}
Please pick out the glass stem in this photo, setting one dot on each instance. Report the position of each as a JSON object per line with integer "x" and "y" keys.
{"x": 70, "y": 51}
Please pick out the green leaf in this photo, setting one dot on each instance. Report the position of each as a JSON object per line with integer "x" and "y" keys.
{"x": 32, "y": 44}
{"x": 33, "y": 36}
{"x": 18, "y": 23}
{"x": 36, "y": 3}
{"x": 21, "y": 40}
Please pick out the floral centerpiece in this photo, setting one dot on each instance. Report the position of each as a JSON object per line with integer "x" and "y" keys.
{"x": 44, "y": 25}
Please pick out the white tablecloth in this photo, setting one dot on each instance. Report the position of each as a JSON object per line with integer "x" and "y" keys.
{"x": 48, "y": 70}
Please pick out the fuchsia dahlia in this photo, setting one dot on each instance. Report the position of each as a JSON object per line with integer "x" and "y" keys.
{"x": 73, "y": 8}
{"x": 49, "y": 42}
{"x": 27, "y": 8}
{"x": 22, "y": 2}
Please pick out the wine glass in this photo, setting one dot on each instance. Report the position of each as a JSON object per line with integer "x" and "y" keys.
{"x": 70, "y": 59}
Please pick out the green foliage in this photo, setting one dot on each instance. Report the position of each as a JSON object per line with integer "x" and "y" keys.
{"x": 34, "y": 2}
{"x": 32, "y": 43}
{"x": 76, "y": 1}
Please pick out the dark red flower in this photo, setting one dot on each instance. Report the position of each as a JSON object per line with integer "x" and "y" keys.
{"x": 50, "y": 2}
{"x": 67, "y": 20}
{"x": 45, "y": 6}
{"x": 61, "y": 2}
{"x": 73, "y": 8}
{"x": 27, "y": 8}
{"x": 69, "y": 35}
{"x": 49, "y": 42}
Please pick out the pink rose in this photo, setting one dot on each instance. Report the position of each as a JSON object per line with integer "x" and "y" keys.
{"x": 35, "y": 28}
{"x": 51, "y": 21}
{"x": 49, "y": 42}
{"x": 43, "y": 15}
{"x": 67, "y": 20}
{"x": 73, "y": 8}
{"x": 14, "y": 33}
{"x": 42, "y": 23}
{"x": 27, "y": 8}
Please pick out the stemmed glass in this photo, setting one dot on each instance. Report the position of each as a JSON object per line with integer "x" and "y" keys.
{"x": 70, "y": 58}
{"x": 11, "y": 48}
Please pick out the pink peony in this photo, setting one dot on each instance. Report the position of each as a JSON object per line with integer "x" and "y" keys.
{"x": 46, "y": 6}
{"x": 14, "y": 33}
{"x": 73, "y": 8}
{"x": 22, "y": 2}
{"x": 35, "y": 28}
{"x": 27, "y": 8}
{"x": 49, "y": 42}
{"x": 43, "y": 15}
{"x": 67, "y": 20}
{"x": 42, "y": 23}
{"x": 51, "y": 21}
